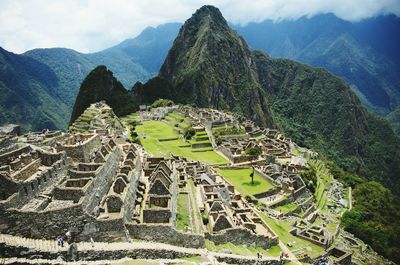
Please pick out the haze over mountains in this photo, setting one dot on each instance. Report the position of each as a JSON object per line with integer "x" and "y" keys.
{"x": 364, "y": 53}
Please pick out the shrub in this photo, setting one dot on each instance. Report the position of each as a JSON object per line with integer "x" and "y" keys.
{"x": 253, "y": 151}
{"x": 189, "y": 133}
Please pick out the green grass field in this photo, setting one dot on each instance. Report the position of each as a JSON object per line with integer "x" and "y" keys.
{"x": 155, "y": 130}
{"x": 240, "y": 178}
{"x": 182, "y": 218}
{"x": 274, "y": 251}
{"x": 286, "y": 208}
{"x": 282, "y": 228}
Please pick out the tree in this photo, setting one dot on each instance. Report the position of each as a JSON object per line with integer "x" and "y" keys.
{"x": 189, "y": 133}
{"x": 253, "y": 151}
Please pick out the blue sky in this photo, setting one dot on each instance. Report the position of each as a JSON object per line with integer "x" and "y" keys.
{"x": 92, "y": 25}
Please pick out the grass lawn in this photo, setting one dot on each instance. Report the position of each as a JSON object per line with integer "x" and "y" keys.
{"x": 182, "y": 218}
{"x": 274, "y": 251}
{"x": 282, "y": 228}
{"x": 196, "y": 218}
{"x": 154, "y": 130}
{"x": 286, "y": 208}
{"x": 240, "y": 178}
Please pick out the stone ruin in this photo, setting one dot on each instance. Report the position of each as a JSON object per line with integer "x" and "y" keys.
{"x": 94, "y": 184}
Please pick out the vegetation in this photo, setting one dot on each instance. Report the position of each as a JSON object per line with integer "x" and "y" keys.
{"x": 375, "y": 218}
{"x": 253, "y": 151}
{"x": 154, "y": 131}
{"x": 282, "y": 228}
{"x": 28, "y": 94}
{"x": 202, "y": 58}
{"x": 99, "y": 85}
{"x": 240, "y": 178}
{"x": 162, "y": 103}
{"x": 242, "y": 250}
{"x": 182, "y": 217}
{"x": 189, "y": 133}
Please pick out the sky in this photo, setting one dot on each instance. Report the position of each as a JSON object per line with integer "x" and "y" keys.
{"x": 93, "y": 25}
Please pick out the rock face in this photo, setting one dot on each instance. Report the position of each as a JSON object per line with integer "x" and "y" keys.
{"x": 100, "y": 85}
{"x": 210, "y": 65}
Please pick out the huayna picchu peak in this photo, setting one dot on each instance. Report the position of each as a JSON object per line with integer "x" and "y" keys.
{"x": 227, "y": 155}
{"x": 210, "y": 65}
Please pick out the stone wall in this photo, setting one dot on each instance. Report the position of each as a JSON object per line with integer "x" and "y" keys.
{"x": 82, "y": 151}
{"x": 156, "y": 215}
{"x": 239, "y": 236}
{"x": 92, "y": 255}
{"x": 129, "y": 202}
{"x": 27, "y": 190}
{"x": 267, "y": 193}
{"x": 231, "y": 259}
{"x": 45, "y": 224}
{"x": 165, "y": 234}
{"x": 235, "y": 158}
{"x": 265, "y": 176}
{"x": 27, "y": 171}
{"x": 100, "y": 185}
{"x": 15, "y": 153}
{"x": 107, "y": 230}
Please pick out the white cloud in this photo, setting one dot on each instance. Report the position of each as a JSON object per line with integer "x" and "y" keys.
{"x": 92, "y": 25}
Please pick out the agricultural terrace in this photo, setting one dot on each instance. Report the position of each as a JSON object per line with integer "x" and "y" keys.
{"x": 159, "y": 138}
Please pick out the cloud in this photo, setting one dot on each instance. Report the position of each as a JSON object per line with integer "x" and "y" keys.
{"x": 92, "y": 25}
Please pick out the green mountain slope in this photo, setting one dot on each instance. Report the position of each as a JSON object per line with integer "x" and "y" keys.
{"x": 71, "y": 67}
{"x": 320, "y": 111}
{"x": 29, "y": 94}
{"x": 210, "y": 65}
{"x": 100, "y": 85}
{"x": 364, "y": 53}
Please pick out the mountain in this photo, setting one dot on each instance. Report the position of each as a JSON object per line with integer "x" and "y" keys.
{"x": 28, "y": 94}
{"x": 149, "y": 48}
{"x": 71, "y": 67}
{"x": 210, "y": 65}
{"x": 100, "y": 85}
{"x": 364, "y": 53}
{"x": 42, "y": 84}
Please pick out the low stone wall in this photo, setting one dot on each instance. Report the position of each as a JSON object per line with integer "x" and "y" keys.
{"x": 106, "y": 230}
{"x": 92, "y": 255}
{"x": 267, "y": 193}
{"x": 45, "y": 224}
{"x": 231, "y": 259}
{"x": 242, "y": 236}
{"x": 165, "y": 234}
{"x": 82, "y": 151}
{"x": 28, "y": 189}
{"x": 201, "y": 145}
{"x": 14, "y": 153}
{"x": 156, "y": 215}
{"x": 235, "y": 158}
{"x": 265, "y": 176}
{"x": 27, "y": 171}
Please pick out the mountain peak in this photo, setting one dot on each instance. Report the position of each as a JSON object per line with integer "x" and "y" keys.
{"x": 100, "y": 85}
{"x": 210, "y": 65}
{"x": 208, "y": 10}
